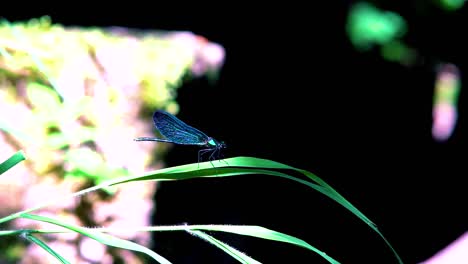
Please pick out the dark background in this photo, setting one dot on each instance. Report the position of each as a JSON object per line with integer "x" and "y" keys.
{"x": 294, "y": 90}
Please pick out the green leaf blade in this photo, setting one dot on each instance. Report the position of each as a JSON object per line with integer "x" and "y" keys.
{"x": 101, "y": 237}
{"x": 12, "y": 161}
{"x": 43, "y": 245}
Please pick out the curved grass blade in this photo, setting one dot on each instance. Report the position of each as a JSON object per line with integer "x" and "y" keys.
{"x": 234, "y": 167}
{"x": 100, "y": 237}
{"x": 246, "y": 230}
{"x": 332, "y": 193}
{"x": 248, "y": 165}
{"x": 12, "y": 161}
{"x": 253, "y": 231}
{"x": 264, "y": 233}
{"x": 43, "y": 245}
{"x": 241, "y": 257}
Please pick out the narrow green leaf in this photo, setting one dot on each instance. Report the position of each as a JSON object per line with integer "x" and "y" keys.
{"x": 245, "y": 230}
{"x": 43, "y": 245}
{"x": 100, "y": 237}
{"x": 241, "y": 257}
{"x": 229, "y": 167}
{"x": 248, "y": 165}
{"x": 12, "y": 161}
{"x": 264, "y": 233}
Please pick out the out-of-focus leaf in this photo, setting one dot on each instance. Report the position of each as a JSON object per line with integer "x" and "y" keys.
{"x": 84, "y": 160}
{"x": 451, "y": 5}
{"x": 12, "y": 161}
{"x": 58, "y": 140}
{"x": 43, "y": 98}
{"x": 368, "y": 25}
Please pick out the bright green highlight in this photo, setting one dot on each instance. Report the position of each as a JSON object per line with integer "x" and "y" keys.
{"x": 212, "y": 143}
{"x": 368, "y": 25}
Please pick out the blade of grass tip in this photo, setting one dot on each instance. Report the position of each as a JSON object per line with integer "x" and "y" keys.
{"x": 100, "y": 237}
{"x": 332, "y": 193}
{"x": 43, "y": 245}
{"x": 253, "y": 231}
{"x": 340, "y": 199}
{"x": 241, "y": 257}
{"x": 12, "y": 161}
{"x": 344, "y": 202}
{"x": 264, "y": 233}
{"x": 328, "y": 190}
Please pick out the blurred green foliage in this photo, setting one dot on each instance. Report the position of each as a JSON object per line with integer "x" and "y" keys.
{"x": 367, "y": 26}
{"x": 451, "y": 5}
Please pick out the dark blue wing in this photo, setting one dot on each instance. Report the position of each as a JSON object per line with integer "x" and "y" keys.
{"x": 177, "y": 131}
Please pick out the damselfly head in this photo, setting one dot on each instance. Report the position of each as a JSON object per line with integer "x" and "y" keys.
{"x": 222, "y": 145}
